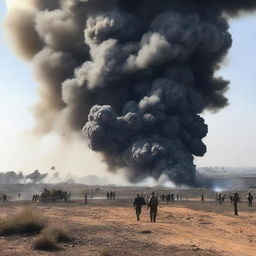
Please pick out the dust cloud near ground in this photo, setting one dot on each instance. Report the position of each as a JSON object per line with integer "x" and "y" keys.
{"x": 185, "y": 227}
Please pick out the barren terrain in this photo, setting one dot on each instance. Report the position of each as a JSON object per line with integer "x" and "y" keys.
{"x": 183, "y": 228}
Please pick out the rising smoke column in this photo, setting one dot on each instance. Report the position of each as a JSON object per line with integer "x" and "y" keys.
{"x": 138, "y": 73}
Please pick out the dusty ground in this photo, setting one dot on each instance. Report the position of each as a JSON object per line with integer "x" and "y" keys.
{"x": 182, "y": 228}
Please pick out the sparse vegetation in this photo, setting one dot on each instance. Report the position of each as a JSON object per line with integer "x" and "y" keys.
{"x": 45, "y": 243}
{"x": 50, "y": 237}
{"x": 27, "y": 221}
{"x": 106, "y": 252}
{"x": 59, "y": 234}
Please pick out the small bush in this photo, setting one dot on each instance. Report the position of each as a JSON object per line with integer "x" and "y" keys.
{"x": 106, "y": 252}
{"x": 59, "y": 234}
{"x": 45, "y": 243}
{"x": 50, "y": 237}
{"x": 27, "y": 221}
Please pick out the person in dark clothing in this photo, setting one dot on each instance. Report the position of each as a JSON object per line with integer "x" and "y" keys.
{"x": 138, "y": 203}
{"x": 250, "y": 198}
{"x": 168, "y": 198}
{"x": 231, "y": 198}
{"x": 85, "y": 198}
{"x": 202, "y": 197}
{"x": 153, "y": 204}
{"x": 4, "y": 198}
{"x": 235, "y": 201}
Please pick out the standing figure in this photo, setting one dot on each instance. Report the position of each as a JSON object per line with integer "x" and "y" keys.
{"x": 138, "y": 203}
{"x": 231, "y": 198}
{"x": 220, "y": 198}
{"x": 250, "y": 198}
{"x": 4, "y": 198}
{"x": 168, "y": 198}
{"x": 114, "y": 195}
{"x": 202, "y": 197}
{"x": 85, "y": 198}
{"x": 235, "y": 201}
{"x": 153, "y": 204}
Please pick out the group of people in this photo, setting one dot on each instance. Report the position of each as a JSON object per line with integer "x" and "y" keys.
{"x": 35, "y": 198}
{"x": 170, "y": 197}
{"x": 234, "y": 199}
{"x": 220, "y": 198}
{"x": 111, "y": 195}
{"x": 152, "y": 204}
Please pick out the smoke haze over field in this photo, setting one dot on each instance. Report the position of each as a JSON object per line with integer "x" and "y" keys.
{"x": 143, "y": 71}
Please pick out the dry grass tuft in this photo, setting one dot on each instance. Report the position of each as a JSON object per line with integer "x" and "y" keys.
{"x": 45, "y": 243}
{"x": 27, "y": 221}
{"x": 106, "y": 252}
{"x": 59, "y": 234}
{"x": 50, "y": 237}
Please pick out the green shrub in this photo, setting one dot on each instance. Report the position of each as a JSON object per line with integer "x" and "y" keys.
{"x": 27, "y": 221}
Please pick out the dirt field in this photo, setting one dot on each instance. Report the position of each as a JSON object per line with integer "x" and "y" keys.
{"x": 182, "y": 228}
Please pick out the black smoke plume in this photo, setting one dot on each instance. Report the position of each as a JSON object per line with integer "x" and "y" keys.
{"x": 143, "y": 70}
{"x": 36, "y": 176}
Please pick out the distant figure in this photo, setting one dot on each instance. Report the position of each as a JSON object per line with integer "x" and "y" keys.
{"x": 177, "y": 197}
{"x": 163, "y": 197}
{"x": 231, "y": 198}
{"x": 235, "y": 201}
{"x": 220, "y": 198}
{"x": 202, "y": 197}
{"x": 19, "y": 196}
{"x": 114, "y": 195}
{"x": 153, "y": 204}
{"x": 85, "y": 199}
{"x": 4, "y": 198}
{"x": 138, "y": 203}
{"x": 168, "y": 198}
{"x": 111, "y": 195}
{"x": 172, "y": 197}
{"x": 250, "y": 198}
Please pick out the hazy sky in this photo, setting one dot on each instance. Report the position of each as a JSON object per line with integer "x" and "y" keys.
{"x": 232, "y": 132}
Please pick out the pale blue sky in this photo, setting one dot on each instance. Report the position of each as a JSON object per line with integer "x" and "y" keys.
{"x": 232, "y": 132}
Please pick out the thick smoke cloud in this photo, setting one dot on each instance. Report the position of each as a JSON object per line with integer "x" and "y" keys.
{"x": 143, "y": 71}
{"x": 36, "y": 176}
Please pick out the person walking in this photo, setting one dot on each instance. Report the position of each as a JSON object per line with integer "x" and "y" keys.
{"x": 153, "y": 205}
